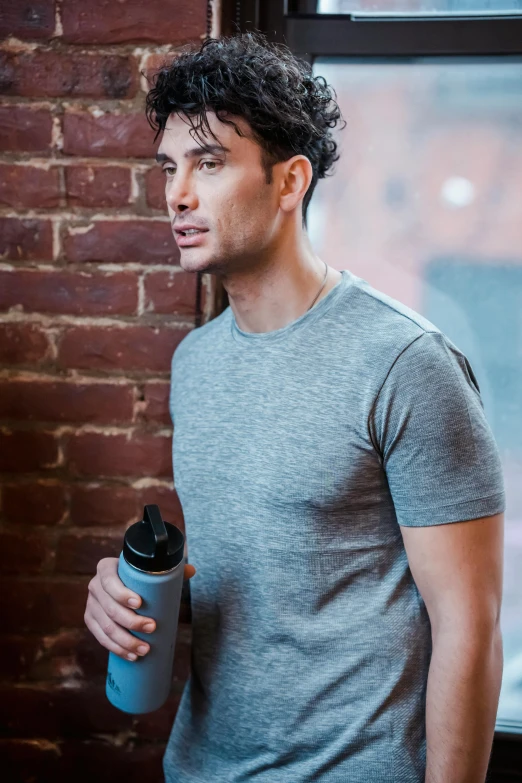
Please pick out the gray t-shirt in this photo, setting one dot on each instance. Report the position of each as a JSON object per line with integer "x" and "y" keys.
{"x": 298, "y": 453}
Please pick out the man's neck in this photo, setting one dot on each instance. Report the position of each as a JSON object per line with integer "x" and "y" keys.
{"x": 263, "y": 301}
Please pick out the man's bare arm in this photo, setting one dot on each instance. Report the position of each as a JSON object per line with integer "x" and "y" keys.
{"x": 458, "y": 570}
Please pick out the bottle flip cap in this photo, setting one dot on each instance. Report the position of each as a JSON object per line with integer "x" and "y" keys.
{"x": 153, "y": 545}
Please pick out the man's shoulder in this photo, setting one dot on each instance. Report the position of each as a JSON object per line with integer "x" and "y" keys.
{"x": 384, "y": 326}
{"x": 200, "y": 339}
{"x": 384, "y": 311}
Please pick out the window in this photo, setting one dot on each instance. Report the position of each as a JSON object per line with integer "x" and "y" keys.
{"x": 425, "y": 205}
{"x": 424, "y": 7}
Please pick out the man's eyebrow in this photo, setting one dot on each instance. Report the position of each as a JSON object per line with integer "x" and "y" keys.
{"x": 211, "y": 149}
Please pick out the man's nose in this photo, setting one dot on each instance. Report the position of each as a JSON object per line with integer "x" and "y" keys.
{"x": 181, "y": 194}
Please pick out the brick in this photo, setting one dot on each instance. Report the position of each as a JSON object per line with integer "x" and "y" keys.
{"x": 29, "y": 19}
{"x": 85, "y": 649}
{"x": 50, "y": 74}
{"x": 25, "y": 129}
{"x": 64, "y": 401}
{"x": 22, "y": 552}
{"x": 95, "y": 504}
{"x": 29, "y": 186}
{"x": 27, "y": 239}
{"x": 23, "y": 343}
{"x": 98, "y": 504}
{"x": 52, "y": 712}
{"x": 107, "y": 761}
{"x": 42, "y": 606}
{"x": 80, "y": 554}
{"x": 159, "y": 21}
{"x": 55, "y": 657}
{"x": 75, "y": 293}
{"x": 108, "y": 136}
{"x": 121, "y": 241}
{"x": 18, "y": 655}
{"x": 172, "y": 292}
{"x": 152, "y": 62}
{"x": 31, "y": 760}
{"x": 155, "y": 405}
{"x": 23, "y": 452}
{"x": 140, "y": 455}
{"x": 34, "y": 503}
{"x": 155, "y": 189}
{"x": 98, "y": 186}
{"x": 124, "y": 348}
{"x": 67, "y": 653}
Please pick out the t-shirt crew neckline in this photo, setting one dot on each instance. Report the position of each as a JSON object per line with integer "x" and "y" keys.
{"x": 322, "y": 306}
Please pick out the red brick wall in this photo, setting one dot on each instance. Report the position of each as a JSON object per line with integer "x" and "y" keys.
{"x": 92, "y": 305}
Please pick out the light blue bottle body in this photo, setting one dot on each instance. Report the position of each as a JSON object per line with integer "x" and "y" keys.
{"x": 144, "y": 685}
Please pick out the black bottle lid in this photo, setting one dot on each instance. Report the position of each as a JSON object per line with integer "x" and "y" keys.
{"x": 153, "y": 545}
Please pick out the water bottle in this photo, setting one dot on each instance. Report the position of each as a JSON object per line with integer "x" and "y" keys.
{"x": 152, "y": 565}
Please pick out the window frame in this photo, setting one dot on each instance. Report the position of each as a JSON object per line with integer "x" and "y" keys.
{"x": 311, "y": 35}
{"x": 375, "y": 37}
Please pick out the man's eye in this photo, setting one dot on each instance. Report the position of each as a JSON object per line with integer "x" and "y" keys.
{"x": 169, "y": 168}
{"x": 212, "y": 163}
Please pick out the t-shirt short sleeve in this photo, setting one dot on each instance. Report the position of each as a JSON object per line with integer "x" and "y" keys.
{"x": 437, "y": 448}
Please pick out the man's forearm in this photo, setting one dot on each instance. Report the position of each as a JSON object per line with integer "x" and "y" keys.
{"x": 461, "y": 705}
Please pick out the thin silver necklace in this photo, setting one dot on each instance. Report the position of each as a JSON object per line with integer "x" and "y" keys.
{"x": 322, "y": 286}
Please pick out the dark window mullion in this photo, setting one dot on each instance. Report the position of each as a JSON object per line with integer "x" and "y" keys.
{"x": 344, "y": 35}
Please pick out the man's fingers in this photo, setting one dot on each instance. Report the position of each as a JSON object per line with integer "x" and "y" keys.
{"x": 189, "y": 571}
{"x": 105, "y": 641}
{"x": 120, "y": 615}
{"x": 117, "y": 635}
{"x": 107, "y": 571}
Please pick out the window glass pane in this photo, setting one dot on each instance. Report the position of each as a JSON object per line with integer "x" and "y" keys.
{"x": 417, "y": 6}
{"x": 425, "y": 205}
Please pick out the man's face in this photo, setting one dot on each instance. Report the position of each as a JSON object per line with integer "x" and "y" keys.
{"x": 221, "y": 190}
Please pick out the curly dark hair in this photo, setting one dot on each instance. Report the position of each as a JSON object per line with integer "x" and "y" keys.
{"x": 290, "y": 111}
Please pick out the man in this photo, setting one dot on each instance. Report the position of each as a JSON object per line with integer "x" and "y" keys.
{"x": 341, "y": 488}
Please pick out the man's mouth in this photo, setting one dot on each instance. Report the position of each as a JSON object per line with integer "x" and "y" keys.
{"x": 189, "y": 237}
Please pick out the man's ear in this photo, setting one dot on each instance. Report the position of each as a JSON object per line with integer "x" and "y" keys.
{"x": 296, "y": 177}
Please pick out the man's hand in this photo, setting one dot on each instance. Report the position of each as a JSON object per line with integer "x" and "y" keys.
{"x": 107, "y": 613}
